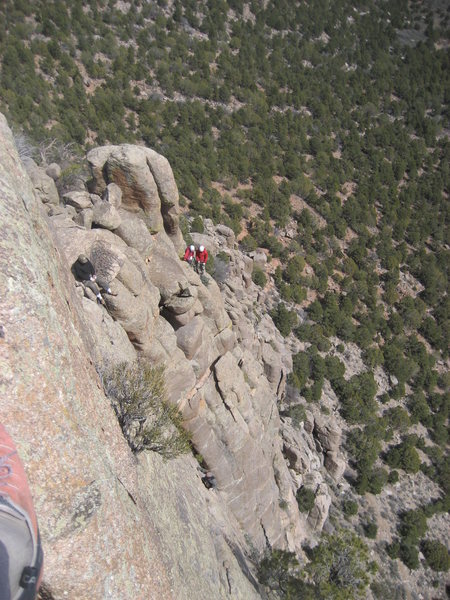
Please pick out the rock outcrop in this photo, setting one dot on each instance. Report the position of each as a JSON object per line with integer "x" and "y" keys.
{"x": 225, "y": 365}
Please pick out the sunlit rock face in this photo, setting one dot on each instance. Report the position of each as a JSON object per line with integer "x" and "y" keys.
{"x": 225, "y": 367}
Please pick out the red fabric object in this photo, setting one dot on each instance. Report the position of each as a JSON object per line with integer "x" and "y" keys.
{"x": 188, "y": 254}
{"x": 16, "y": 510}
{"x": 13, "y": 480}
{"x": 202, "y": 256}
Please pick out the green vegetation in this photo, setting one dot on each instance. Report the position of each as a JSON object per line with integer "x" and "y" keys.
{"x": 305, "y": 499}
{"x": 259, "y": 277}
{"x": 436, "y": 555}
{"x": 138, "y": 396}
{"x": 370, "y": 530}
{"x": 350, "y": 508}
{"x": 284, "y": 319}
{"x": 325, "y": 128}
{"x": 339, "y": 569}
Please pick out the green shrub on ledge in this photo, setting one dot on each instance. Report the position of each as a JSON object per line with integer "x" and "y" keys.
{"x": 138, "y": 396}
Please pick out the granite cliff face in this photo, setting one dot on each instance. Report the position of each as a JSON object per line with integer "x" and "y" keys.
{"x": 114, "y": 524}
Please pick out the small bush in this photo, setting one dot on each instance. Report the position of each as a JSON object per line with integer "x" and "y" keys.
{"x": 284, "y": 319}
{"x": 221, "y": 264}
{"x": 409, "y": 555}
{"x": 370, "y": 530}
{"x": 259, "y": 277}
{"x": 297, "y": 413}
{"x": 393, "y": 476}
{"x": 138, "y": 396}
{"x": 436, "y": 555}
{"x": 350, "y": 508}
{"x": 197, "y": 225}
{"x": 305, "y": 499}
{"x": 393, "y": 550}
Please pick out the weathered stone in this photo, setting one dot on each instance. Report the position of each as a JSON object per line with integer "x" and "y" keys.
{"x": 44, "y": 186}
{"x": 54, "y": 171}
{"x": 136, "y": 314}
{"x": 106, "y": 215}
{"x": 135, "y": 233}
{"x": 189, "y": 337}
{"x": 227, "y": 233}
{"x": 225, "y": 340}
{"x": 167, "y": 273}
{"x": 319, "y": 512}
{"x": 85, "y": 218}
{"x": 131, "y": 277}
{"x": 113, "y": 195}
{"x": 111, "y": 341}
{"x": 259, "y": 258}
{"x": 168, "y": 193}
{"x": 272, "y": 364}
{"x": 127, "y": 166}
{"x": 335, "y": 465}
{"x": 79, "y": 200}
{"x": 327, "y": 431}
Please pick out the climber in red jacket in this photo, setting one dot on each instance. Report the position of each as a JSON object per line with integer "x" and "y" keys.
{"x": 201, "y": 258}
{"x": 189, "y": 255}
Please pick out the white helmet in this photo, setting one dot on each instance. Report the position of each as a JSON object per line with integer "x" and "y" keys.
{"x": 201, "y": 248}
{"x": 192, "y": 247}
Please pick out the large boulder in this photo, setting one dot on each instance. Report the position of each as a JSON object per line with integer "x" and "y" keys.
{"x": 111, "y": 341}
{"x": 319, "y": 512}
{"x": 146, "y": 181}
{"x": 127, "y": 167}
{"x": 44, "y": 185}
{"x": 134, "y": 232}
{"x": 78, "y": 199}
{"x": 189, "y": 337}
{"x": 53, "y": 170}
{"x": 327, "y": 432}
{"x": 168, "y": 192}
{"x": 105, "y": 214}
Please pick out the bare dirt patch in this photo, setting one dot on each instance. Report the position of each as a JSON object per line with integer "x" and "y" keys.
{"x": 298, "y": 204}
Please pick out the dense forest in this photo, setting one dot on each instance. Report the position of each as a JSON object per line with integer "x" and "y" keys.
{"x": 329, "y": 119}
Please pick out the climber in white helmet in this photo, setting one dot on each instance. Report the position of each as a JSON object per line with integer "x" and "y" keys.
{"x": 201, "y": 258}
{"x": 189, "y": 255}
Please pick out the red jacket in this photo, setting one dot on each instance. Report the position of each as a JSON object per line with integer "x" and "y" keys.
{"x": 201, "y": 256}
{"x": 188, "y": 254}
{"x": 21, "y": 545}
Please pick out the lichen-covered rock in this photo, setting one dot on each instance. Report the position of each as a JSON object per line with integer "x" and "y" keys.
{"x": 53, "y": 170}
{"x": 327, "y": 432}
{"x": 113, "y": 195}
{"x": 105, "y": 214}
{"x": 85, "y": 218}
{"x": 44, "y": 185}
{"x": 96, "y": 534}
{"x": 146, "y": 181}
{"x": 78, "y": 199}
{"x": 135, "y": 233}
{"x": 189, "y": 337}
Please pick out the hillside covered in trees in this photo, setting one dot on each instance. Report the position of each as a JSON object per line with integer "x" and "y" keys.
{"x": 318, "y": 131}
